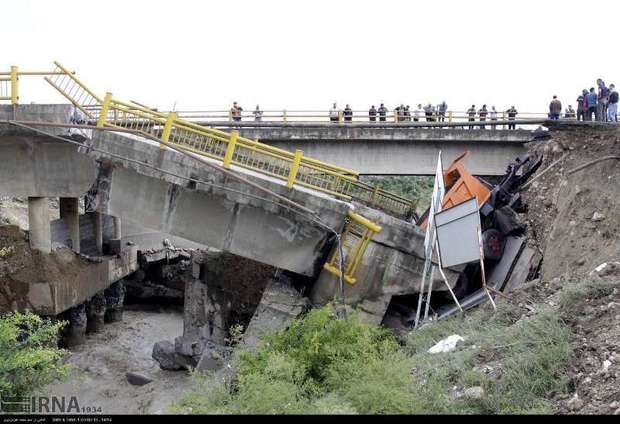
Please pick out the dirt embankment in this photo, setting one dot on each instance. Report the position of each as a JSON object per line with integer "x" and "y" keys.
{"x": 574, "y": 220}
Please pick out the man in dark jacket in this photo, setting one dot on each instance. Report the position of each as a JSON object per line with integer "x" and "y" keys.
{"x": 348, "y": 114}
{"x": 382, "y": 112}
{"x": 555, "y": 108}
{"x": 581, "y": 106}
{"x": 512, "y": 114}
{"x": 372, "y": 114}
{"x": 483, "y": 115}
{"x": 471, "y": 113}
{"x": 612, "y": 107}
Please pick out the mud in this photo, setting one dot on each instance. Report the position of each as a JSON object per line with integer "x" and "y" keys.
{"x": 99, "y": 367}
{"x": 574, "y": 221}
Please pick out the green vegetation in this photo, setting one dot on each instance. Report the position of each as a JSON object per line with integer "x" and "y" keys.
{"x": 575, "y": 291}
{"x": 414, "y": 188}
{"x": 327, "y": 366}
{"x": 29, "y": 356}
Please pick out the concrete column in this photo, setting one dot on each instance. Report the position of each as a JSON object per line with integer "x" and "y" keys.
{"x": 115, "y": 298}
{"x": 39, "y": 224}
{"x": 117, "y": 227}
{"x": 98, "y": 227}
{"x": 70, "y": 214}
{"x": 95, "y": 313}
{"x": 75, "y": 332}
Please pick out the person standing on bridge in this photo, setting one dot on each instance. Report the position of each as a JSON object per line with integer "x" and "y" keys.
{"x": 442, "y": 109}
{"x": 512, "y": 114}
{"x": 235, "y": 112}
{"x": 372, "y": 114}
{"x": 483, "y": 116}
{"x": 555, "y": 108}
{"x": 570, "y": 112}
{"x": 382, "y": 112}
{"x": 417, "y": 112}
{"x": 612, "y": 107}
{"x": 581, "y": 106}
{"x": 428, "y": 111}
{"x": 407, "y": 114}
{"x": 348, "y": 114}
{"x": 334, "y": 114}
{"x": 258, "y": 114}
{"x": 471, "y": 113}
{"x": 493, "y": 114}
{"x": 603, "y": 100}
{"x": 591, "y": 104}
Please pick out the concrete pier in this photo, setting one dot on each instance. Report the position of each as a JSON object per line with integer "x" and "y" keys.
{"x": 70, "y": 215}
{"x": 98, "y": 225}
{"x": 39, "y": 224}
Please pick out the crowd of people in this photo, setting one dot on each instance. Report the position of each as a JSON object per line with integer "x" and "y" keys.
{"x": 592, "y": 105}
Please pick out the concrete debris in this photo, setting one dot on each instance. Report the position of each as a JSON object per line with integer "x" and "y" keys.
{"x": 575, "y": 404}
{"x": 476, "y": 392}
{"x": 164, "y": 353}
{"x": 598, "y": 217}
{"x": 137, "y": 379}
{"x": 446, "y": 345}
{"x": 213, "y": 358}
{"x": 278, "y": 307}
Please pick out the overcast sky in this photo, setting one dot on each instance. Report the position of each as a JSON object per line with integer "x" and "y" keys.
{"x": 202, "y": 55}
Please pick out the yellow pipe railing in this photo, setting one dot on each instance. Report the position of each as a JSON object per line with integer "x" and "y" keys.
{"x": 230, "y": 148}
{"x": 355, "y": 238}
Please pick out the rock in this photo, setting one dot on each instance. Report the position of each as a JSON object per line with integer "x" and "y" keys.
{"x": 164, "y": 353}
{"x": 137, "y": 379}
{"x": 213, "y": 358}
{"x": 617, "y": 411}
{"x": 606, "y": 365}
{"x": 581, "y": 261}
{"x": 446, "y": 345}
{"x": 575, "y": 404}
{"x": 614, "y": 405}
{"x": 548, "y": 203}
{"x": 476, "y": 392}
{"x": 598, "y": 217}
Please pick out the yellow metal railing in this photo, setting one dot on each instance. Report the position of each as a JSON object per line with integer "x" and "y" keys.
{"x": 357, "y": 234}
{"x": 9, "y": 83}
{"x": 227, "y": 147}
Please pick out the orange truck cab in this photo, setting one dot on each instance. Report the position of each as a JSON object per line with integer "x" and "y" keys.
{"x": 460, "y": 186}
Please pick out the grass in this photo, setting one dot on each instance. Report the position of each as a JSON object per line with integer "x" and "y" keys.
{"x": 322, "y": 365}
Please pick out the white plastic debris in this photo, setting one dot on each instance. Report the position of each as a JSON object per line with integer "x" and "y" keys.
{"x": 446, "y": 345}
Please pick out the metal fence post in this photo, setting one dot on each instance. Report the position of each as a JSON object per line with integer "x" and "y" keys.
{"x": 450, "y": 116}
{"x": 14, "y": 86}
{"x": 284, "y": 116}
{"x": 294, "y": 168}
{"x": 165, "y": 135}
{"x": 230, "y": 150}
{"x": 104, "y": 110}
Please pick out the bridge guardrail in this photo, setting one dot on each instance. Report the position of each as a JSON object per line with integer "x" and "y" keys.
{"x": 357, "y": 234}
{"x": 322, "y": 116}
{"x": 229, "y": 148}
{"x": 9, "y": 83}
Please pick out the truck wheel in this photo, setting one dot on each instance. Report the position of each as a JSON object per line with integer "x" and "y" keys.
{"x": 493, "y": 243}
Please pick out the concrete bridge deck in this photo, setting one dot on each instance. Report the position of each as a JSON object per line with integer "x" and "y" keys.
{"x": 394, "y": 149}
{"x": 187, "y": 199}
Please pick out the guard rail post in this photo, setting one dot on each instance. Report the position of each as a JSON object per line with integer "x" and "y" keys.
{"x": 104, "y": 110}
{"x": 230, "y": 150}
{"x": 292, "y": 175}
{"x": 14, "y": 86}
{"x": 165, "y": 135}
{"x": 450, "y": 117}
{"x": 284, "y": 116}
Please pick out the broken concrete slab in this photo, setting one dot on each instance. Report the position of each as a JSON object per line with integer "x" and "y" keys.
{"x": 279, "y": 306}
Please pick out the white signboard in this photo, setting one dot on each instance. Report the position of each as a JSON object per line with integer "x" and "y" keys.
{"x": 457, "y": 234}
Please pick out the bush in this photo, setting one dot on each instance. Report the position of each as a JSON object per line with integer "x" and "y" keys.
{"x": 29, "y": 354}
{"x": 325, "y": 365}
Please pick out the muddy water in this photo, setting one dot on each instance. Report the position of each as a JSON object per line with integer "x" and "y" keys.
{"x": 99, "y": 366}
